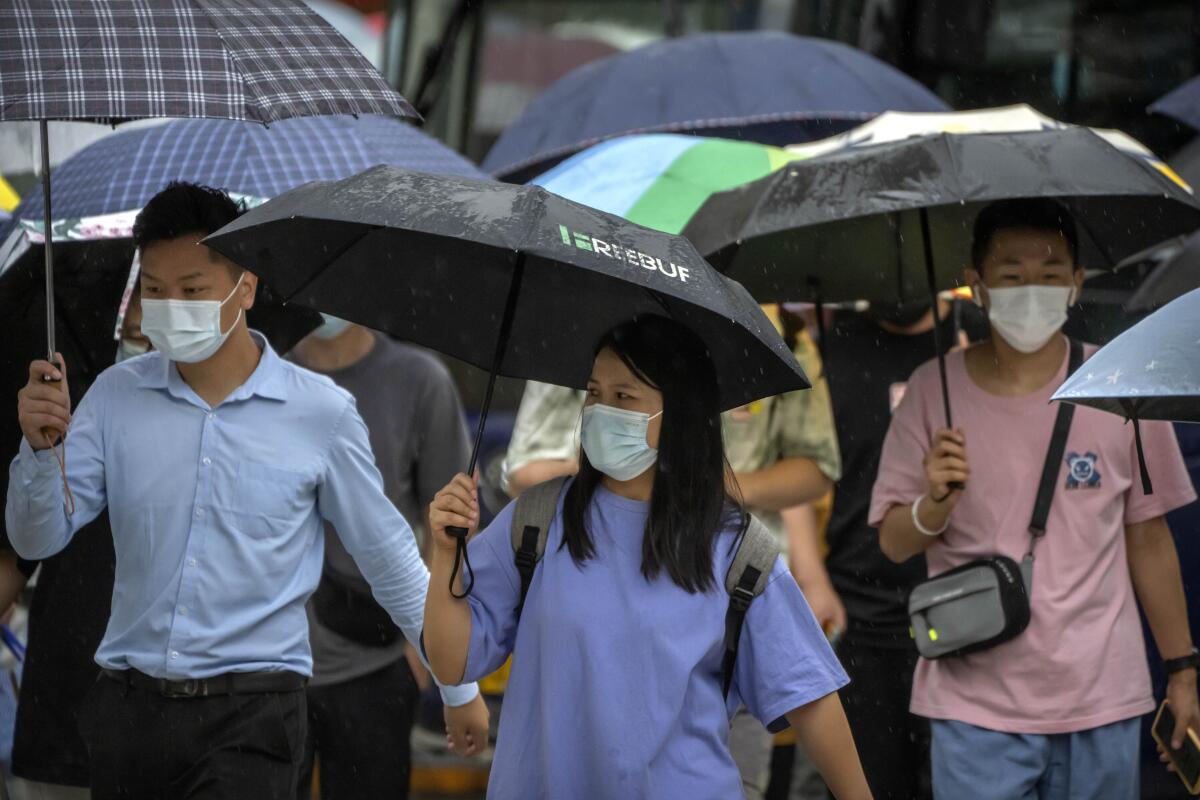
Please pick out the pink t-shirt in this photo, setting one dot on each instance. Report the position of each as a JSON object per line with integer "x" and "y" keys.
{"x": 1081, "y": 662}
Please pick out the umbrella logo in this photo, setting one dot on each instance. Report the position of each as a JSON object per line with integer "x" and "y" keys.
{"x": 585, "y": 241}
{"x": 1081, "y": 471}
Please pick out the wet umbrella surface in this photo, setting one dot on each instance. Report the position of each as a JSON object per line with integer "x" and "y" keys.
{"x": 513, "y": 279}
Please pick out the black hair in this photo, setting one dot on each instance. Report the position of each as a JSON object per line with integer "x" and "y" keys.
{"x": 690, "y": 505}
{"x": 1039, "y": 214}
{"x": 182, "y": 208}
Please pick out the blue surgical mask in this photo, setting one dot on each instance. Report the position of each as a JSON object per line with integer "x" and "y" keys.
{"x": 614, "y": 441}
{"x": 331, "y": 328}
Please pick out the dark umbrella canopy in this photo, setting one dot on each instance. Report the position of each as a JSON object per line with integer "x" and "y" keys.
{"x": 847, "y": 226}
{"x": 1175, "y": 271}
{"x": 1181, "y": 103}
{"x": 432, "y": 260}
{"x": 1148, "y": 372}
{"x": 264, "y": 60}
{"x": 773, "y": 88}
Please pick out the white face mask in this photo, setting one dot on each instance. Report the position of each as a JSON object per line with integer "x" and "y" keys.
{"x": 1028, "y": 316}
{"x": 331, "y": 328}
{"x": 187, "y": 330}
{"x": 614, "y": 441}
{"x": 129, "y": 348}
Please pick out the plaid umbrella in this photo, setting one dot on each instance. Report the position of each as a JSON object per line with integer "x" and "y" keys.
{"x": 260, "y": 60}
{"x": 257, "y": 60}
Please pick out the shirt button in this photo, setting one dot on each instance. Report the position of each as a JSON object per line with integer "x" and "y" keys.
{"x": 199, "y": 512}
{"x": 183, "y": 610}
{"x": 206, "y": 461}
{"x": 174, "y": 654}
{"x": 191, "y": 562}
{"x": 211, "y": 415}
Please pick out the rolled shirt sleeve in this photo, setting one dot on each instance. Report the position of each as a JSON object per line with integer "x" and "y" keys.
{"x": 350, "y": 496}
{"x": 36, "y": 513}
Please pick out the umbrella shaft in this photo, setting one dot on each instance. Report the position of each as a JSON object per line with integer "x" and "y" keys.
{"x": 48, "y": 246}
{"x": 510, "y": 308}
{"x": 927, "y": 241}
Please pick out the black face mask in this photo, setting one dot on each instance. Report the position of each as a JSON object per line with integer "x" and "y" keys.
{"x": 900, "y": 314}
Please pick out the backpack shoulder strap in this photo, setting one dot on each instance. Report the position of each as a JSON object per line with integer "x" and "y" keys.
{"x": 530, "y": 526}
{"x": 746, "y": 580}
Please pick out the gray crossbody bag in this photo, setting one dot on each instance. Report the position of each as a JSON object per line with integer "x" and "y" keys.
{"x": 985, "y": 602}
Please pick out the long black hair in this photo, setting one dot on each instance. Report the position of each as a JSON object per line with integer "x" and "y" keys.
{"x": 690, "y": 505}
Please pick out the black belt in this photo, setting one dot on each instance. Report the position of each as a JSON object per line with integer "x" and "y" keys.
{"x": 229, "y": 683}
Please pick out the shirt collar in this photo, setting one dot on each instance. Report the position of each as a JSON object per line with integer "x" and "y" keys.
{"x": 267, "y": 380}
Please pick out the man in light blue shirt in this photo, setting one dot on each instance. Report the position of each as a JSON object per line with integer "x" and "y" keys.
{"x": 218, "y": 462}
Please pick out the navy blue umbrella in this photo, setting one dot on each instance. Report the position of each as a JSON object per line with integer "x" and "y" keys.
{"x": 766, "y": 87}
{"x": 1182, "y": 103}
{"x": 123, "y": 171}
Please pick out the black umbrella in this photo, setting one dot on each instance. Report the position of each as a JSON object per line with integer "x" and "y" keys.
{"x": 260, "y": 60}
{"x": 894, "y": 221}
{"x": 1174, "y": 271}
{"x": 513, "y": 279}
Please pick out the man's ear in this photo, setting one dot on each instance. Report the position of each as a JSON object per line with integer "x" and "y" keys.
{"x": 249, "y": 290}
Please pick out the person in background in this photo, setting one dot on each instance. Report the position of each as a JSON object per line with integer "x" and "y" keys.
{"x": 217, "y": 461}
{"x": 869, "y": 360}
{"x": 1054, "y": 712}
{"x": 783, "y": 452}
{"x": 363, "y": 693}
{"x": 68, "y": 613}
{"x": 616, "y": 689}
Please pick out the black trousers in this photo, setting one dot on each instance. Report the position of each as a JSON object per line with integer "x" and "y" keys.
{"x": 143, "y": 746}
{"x": 361, "y": 732}
{"x": 892, "y": 742}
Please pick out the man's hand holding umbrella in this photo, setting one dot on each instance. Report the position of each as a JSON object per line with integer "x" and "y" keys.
{"x": 44, "y": 405}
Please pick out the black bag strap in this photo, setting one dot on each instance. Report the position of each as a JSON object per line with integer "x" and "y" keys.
{"x": 531, "y": 521}
{"x": 1054, "y": 455}
{"x": 746, "y": 579}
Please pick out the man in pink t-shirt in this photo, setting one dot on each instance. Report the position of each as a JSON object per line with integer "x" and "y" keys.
{"x": 1055, "y": 711}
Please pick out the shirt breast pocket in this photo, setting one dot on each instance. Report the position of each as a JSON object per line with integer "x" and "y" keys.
{"x": 271, "y": 499}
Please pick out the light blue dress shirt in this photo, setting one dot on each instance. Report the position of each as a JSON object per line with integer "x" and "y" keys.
{"x": 217, "y": 515}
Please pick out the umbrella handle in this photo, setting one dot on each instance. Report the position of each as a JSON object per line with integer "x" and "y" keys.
{"x": 461, "y": 560}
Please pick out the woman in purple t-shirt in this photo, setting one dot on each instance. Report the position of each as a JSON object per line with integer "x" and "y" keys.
{"x": 616, "y": 687}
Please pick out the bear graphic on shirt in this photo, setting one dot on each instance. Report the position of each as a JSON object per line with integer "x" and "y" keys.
{"x": 1082, "y": 472}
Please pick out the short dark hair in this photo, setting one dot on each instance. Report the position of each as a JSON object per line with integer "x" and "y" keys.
{"x": 690, "y": 506}
{"x": 1039, "y": 214}
{"x": 182, "y": 208}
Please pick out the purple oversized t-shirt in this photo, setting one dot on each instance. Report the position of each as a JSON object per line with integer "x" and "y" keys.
{"x": 615, "y": 690}
{"x": 1081, "y": 663}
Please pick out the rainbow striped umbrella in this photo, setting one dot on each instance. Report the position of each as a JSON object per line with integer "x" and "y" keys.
{"x": 660, "y": 180}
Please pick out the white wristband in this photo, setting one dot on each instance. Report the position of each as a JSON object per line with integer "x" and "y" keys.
{"x": 916, "y": 519}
